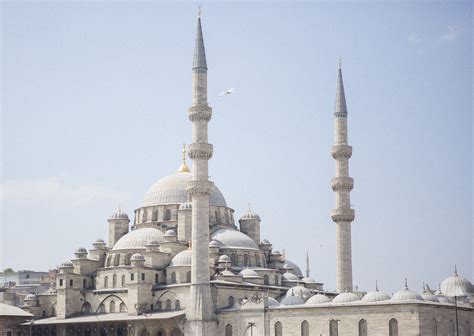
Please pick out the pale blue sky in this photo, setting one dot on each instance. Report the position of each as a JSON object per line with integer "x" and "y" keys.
{"x": 94, "y": 110}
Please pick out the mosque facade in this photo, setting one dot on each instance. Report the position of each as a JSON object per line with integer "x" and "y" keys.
{"x": 183, "y": 266}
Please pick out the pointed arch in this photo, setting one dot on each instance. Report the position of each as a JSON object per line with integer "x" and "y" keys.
{"x": 114, "y": 280}
{"x": 228, "y": 330}
{"x": 304, "y": 328}
{"x": 362, "y": 327}
{"x": 333, "y": 328}
{"x": 278, "y": 329}
{"x": 393, "y": 327}
{"x": 123, "y": 307}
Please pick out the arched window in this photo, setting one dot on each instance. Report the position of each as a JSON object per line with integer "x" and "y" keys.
{"x": 112, "y": 306}
{"x": 231, "y": 301}
{"x": 144, "y": 216}
{"x": 53, "y": 311}
{"x": 173, "y": 278}
{"x": 106, "y": 281}
{"x": 333, "y": 328}
{"x": 159, "y": 306}
{"x": 362, "y": 327}
{"x": 188, "y": 276}
{"x": 246, "y": 260}
{"x": 304, "y": 328}
{"x": 101, "y": 309}
{"x": 114, "y": 281}
{"x": 468, "y": 328}
{"x": 276, "y": 279}
{"x": 451, "y": 330}
{"x": 123, "y": 280}
{"x": 123, "y": 308}
{"x": 117, "y": 260}
{"x": 257, "y": 259}
{"x": 86, "y": 308}
{"x": 265, "y": 279}
{"x": 127, "y": 258}
{"x": 233, "y": 259}
{"x": 155, "y": 215}
{"x": 168, "y": 304}
{"x": 227, "y": 220}
{"x": 108, "y": 263}
{"x": 177, "y": 305}
{"x": 167, "y": 215}
{"x": 84, "y": 283}
{"x": 278, "y": 329}
{"x": 176, "y": 332}
{"x": 218, "y": 218}
{"x": 157, "y": 278}
{"x": 228, "y": 330}
{"x": 393, "y": 327}
{"x": 434, "y": 328}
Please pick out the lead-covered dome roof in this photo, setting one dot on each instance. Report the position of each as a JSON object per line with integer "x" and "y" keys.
{"x": 138, "y": 239}
{"x": 183, "y": 258}
{"x": 456, "y": 285}
{"x": 233, "y": 239}
{"x": 172, "y": 190}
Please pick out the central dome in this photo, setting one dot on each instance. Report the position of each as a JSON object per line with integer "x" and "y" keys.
{"x": 172, "y": 190}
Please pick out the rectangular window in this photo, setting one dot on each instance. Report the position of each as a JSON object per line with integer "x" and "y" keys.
{"x": 132, "y": 276}
{"x": 70, "y": 282}
{"x": 143, "y": 276}
{"x": 60, "y": 282}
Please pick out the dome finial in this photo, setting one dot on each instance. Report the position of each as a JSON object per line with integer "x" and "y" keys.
{"x": 184, "y": 167}
{"x": 199, "y": 11}
{"x": 339, "y": 64}
{"x": 376, "y": 286}
{"x": 455, "y": 270}
{"x": 406, "y": 284}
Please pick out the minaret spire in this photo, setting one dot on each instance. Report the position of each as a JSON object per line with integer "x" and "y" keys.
{"x": 200, "y": 313}
{"x": 342, "y": 184}
{"x": 307, "y": 264}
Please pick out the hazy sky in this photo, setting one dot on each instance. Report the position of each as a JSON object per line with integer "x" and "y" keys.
{"x": 94, "y": 111}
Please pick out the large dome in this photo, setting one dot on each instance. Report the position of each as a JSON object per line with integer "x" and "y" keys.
{"x": 172, "y": 190}
{"x": 229, "y": 238}
{"x": 138, "y": 239}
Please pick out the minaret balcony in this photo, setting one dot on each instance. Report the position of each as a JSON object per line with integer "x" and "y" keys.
{"x": 199, "y": 187}
{"x": 202, "y": 151}
{"x": 342, "y": 215}
{"x": 345, "y": 183}
{"x": 200, "y": 112}
{"x": 344, "y": 151}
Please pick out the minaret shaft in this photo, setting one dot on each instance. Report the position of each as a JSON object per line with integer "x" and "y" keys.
{"x": 342, "y": 184}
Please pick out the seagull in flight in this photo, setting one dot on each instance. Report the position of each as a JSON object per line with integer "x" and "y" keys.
{"x": 227, "y": 92}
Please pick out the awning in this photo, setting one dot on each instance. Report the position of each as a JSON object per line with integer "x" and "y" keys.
{"x": 106, "y": 318}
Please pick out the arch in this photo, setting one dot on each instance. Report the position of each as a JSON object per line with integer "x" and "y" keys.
{"x": 233, "y": 259}
{"x": 362, "y": 327}
{"x": 228, "y": 330}
{"x": 333, "y": 328}
{"x": 144, "y": 216}
{"x": 167, "y": 215}
{"x": 451, "y": 328}
{"x": 177, "y": 305}
{"x": 112, "y": 306}
{"x": 108, "y": 263}
{"x": 111, "y": 297}
{"x": 53, "y": 311}
{"x": 434, "y": 327}
{"x": 114, "y": 280}
{"x": 168, "y": 304}
{"x": 265, "y": 280}
{"x": 159, "y": 305}
{"x": 188, "y": 276}
{"x": 123, "y": 280}
{"x": 393, "y": 327}
{"x": 123, "y": 308}
{"x": 227, "y": 218}
{"x": 127, "y": 258}
{"x": 161, "y": 332}
{"x": 155, "y": 215}
{"x": 218, "y": 217}
{"x": 257, "y": 260}
{"x": 276, "y": 279}
{"x": 157, "y": 278}
{"x": 86, "y": 308}
{"x": 101, "y": 309}
{"x": 246, "y": 260}
{"x": 278, "y": 329}
{"x": 84, "y": 283}
{"x": 304, "y": 328}
{"x": 106, "y": 281}
{"x": 231, "y": 301}
{"x": 117, "y": 259}
{"x": 173, "y": 278}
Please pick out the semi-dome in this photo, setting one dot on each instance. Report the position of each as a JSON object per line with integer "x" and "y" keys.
{"x": 249, "y": 214}
{"x": 289, "y": 277}
{"x": 119, "y": 214}
{"x": 138, "y": 239}
{"x": 172, "y": 189}
{"x": 233, "y": 239}
{"x": 318, "y": 299}
{"x": 345, "y": 298}
{"x": 249, "y": 273}
{"x": 375, "y": 296}
{"x": 271, "y": 302}
{"x": 170, "y": 233}
{"x": 456, "y": 285}
{"x": 294, "y": 267}
{"x": 183, "y": 258}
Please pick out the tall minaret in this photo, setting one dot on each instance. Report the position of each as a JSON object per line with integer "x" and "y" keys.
{"x": 201, "y": 319}
{"x": 342, "y": 185}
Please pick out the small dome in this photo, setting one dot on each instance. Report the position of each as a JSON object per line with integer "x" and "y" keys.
{"x": 137, "y": 257}
{"x": 66, "y": 264}
{"x": 249, "y": 214}
{"x": 289, "y": 277}
{"x": 170, "y": 233}
{"x": 290, "y": 300}
{"x": 375, "y": 296}
{"x": 186, "y": 206}
{"x": 214, "y": 243}
{"x": 318, "y": 299}
{"x": 345, "y": 298}
{"x": 230, "y": 238}
{"x": 137, "y": 239}
{"x": 183, "y": 258}
{"x": 224, "y": 258}
{"x": 81, "y": 250}
{"x": 308, "y": 280}
{"x": 272, "y": 302}
{"x": 265, "y": 242}
{"x": 249, "y": 273}
{"x": 152, "y": 242}
{"x": 428, "y": 296}
{"x": 119, "y": 214}
{"x": 294, "y": 267}
{"x": 227, "y": 273}
{"x": 276, "y": 252}
{"x": 301, "y": 291}
{"x": 406, "y": 295}
{"x": 30, "y": 297}
{"x": 456, "y": 285}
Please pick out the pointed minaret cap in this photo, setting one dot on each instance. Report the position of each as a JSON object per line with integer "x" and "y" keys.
{"x": 199, "y": 51}
{"x": 341, "y": 106}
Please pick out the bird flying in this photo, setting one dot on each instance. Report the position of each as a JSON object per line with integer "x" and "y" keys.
{"x": 227, "y": 92}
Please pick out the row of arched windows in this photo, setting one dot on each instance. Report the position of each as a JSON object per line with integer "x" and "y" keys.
{"x": 145, "y": 215}
{"x": 173, "y": 277}
{"x": 154, "y": 215}
{"x": 113, "y": 307}
{"x": 248, "y": 260}
{"x": 118, "y": 259}
{"x": 167, "y": 305}
{"x": 114, "y": 281}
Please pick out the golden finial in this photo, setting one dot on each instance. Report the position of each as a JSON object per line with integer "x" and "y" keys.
{"x": 184, "y": 167}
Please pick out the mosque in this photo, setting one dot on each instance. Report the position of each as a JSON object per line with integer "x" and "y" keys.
{"x": 185, "y": 267}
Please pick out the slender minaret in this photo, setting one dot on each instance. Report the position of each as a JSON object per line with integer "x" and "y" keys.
{"x": 342, "y": 185}
{"x": 307, "y": 265}
{"x": 201, "y": 319}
